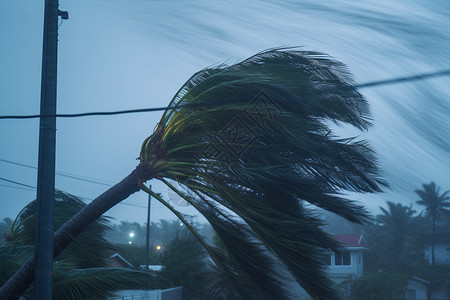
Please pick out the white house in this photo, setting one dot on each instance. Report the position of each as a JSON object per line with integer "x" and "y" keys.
{"x": 417, "y": 290}
{"x": 441, "y": 247}
{"x": 417, "y": 287}
{"x": 349, "y": 262}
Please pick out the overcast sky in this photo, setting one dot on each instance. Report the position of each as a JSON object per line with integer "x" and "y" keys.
{"x": 125, "y": 54}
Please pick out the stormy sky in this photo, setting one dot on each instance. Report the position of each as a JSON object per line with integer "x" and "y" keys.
{"x": 116, "y": 55}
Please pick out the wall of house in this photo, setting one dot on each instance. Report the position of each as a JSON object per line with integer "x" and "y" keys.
{"x": 441, "y": 254}
{"x": 416, "y": 291}
{"x": 340, "y": 273}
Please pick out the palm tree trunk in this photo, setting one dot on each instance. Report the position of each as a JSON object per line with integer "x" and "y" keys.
{"x": 433, "y": 242}
{"x": 23, "y": 278}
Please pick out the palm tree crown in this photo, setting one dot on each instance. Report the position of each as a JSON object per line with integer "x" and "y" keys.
{"x": 252, "y": 138}
{"x": 436, "y": 206}
{"x": 398, "y": 227}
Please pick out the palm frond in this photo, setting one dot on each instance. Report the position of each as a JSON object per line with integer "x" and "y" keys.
{"x": 12, "y": 257}
{"x": 253, "y": 143}
{"x": 96, "y": 283}
{"x": 242, "y": 262}
{"x": 90, "y": 249}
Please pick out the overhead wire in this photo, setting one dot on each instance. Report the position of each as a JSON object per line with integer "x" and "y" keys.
{"x": 30, "y": 188}
{"x": 153, "y": 109}
{"x": 395, "y": 80}
{"x": 416, "y": 77}
{"x": 16, "y": 187}
{"x": 18, "y": 183}
{"x": 68, "y": 175}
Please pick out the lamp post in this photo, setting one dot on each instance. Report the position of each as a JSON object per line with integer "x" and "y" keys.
{"x": 147, "y": 244}
{"x": 131, "y": 236}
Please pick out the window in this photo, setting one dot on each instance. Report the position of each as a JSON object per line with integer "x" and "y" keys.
{"x": 342, "y": 259}
{"x": 328, "y": 259}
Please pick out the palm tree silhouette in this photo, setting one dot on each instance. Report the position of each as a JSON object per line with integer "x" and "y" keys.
{"x": 253, "y": 148}
{"x": 437, "y": 207}
{"x": 398, "y": 226}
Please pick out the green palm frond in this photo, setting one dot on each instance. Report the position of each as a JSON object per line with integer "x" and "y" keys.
{"x": 242, "y": 260}
{"x": 253, "y": 142}
{"x": 12, "y": 257}
{"x": 90, "y": 249}
{"x": 77, "y": 274}
{"x": 96, "y": 283}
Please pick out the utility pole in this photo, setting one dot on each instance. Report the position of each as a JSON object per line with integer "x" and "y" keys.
{"x": 147, "y": 244}
{"x": 45, "y": 195}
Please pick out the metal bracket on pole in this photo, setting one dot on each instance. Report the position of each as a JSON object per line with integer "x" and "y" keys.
{"x": 63, "y": 14}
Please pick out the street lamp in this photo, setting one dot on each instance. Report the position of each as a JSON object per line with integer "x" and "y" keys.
{"x": 131, "y": 235}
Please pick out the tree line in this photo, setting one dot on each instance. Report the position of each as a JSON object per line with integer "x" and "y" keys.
{"x": 402, "y": 241}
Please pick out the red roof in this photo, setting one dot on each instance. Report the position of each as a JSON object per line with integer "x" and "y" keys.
{"x": 351, "y": 240}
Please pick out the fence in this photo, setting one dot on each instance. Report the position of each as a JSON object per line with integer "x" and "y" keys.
{"x": 168, "y": 294}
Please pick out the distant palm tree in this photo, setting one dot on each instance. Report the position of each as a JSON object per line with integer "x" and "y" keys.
{"x": 437, "y": 207}
{"x": 250, "y": 145}
{"x": 397, "y": 227}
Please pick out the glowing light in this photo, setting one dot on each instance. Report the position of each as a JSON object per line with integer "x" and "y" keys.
{"x": 158, "y": 247}
{"x": 131, "y": 234}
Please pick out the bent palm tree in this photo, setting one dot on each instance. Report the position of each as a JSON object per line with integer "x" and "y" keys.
{"x": 251, "y": 146}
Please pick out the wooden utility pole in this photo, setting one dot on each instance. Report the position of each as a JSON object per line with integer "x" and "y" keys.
{"x": 43, "y": 266}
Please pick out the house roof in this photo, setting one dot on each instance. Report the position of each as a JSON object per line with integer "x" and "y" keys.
{"x": 119, "y": 257}
{"x": 351, "y": 240}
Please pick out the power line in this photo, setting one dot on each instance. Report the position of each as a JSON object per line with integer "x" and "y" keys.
{"x": 18, "y": 183}
{"x": 77, "y": 177}
{"x": 99, "y": 113}
{"x": 405, "y": 79}
{"x": 68, "y": 175}
{"x": 192, "y": 105}
{"x": 83, "y": 179}
{"x": 16, "y": 187}
{"x": 30, "y": 188}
